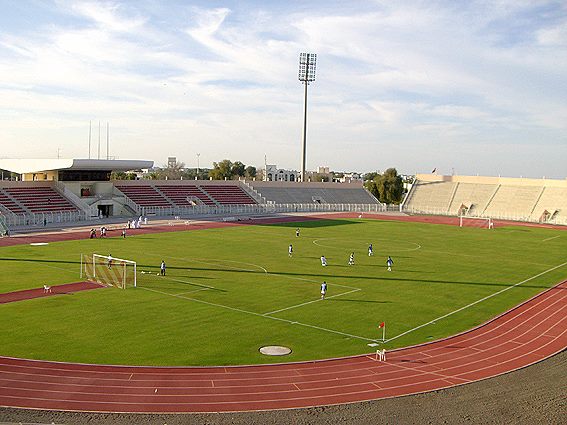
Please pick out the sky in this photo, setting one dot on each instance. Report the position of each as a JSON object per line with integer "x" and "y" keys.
{"x": 464, "y": 87}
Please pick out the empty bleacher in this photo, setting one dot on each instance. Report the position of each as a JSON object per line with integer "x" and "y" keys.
{"x": 144, "y": 195}
{"x": 228, "y": 194}
{"x": 431, "y": 196}
{"x": 308, "y": 193}
{"x": 41, "y": 199}
{"x": 552, "y": 200}
{"x": 181, "y": 195}
{"x": 515, "y": 201}
{"x": 474, "y": 196}
{"x": 10, "y": 204}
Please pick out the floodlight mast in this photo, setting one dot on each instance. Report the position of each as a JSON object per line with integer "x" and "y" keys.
{"x": 307, "y": 64}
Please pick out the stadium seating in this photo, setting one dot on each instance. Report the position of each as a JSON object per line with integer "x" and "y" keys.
{"x": 474, "y": 197}
{"x": 144, "y": 195}
{"x": 41, "y": 199}
{"x": 553, "y": 200}
{"x": 10, "y": 204}
{"x": 228, "y": 194}
{"x": 516, "y": 201}
{"x": 181, "y": 195}
{"x": 431, "y": 196}
{"x": 306, "y": 194}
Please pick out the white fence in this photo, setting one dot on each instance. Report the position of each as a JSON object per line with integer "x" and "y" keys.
{"x": 508, "y": 217}
{"x": 264, "y": 209}
{"x": 43, "y": 219}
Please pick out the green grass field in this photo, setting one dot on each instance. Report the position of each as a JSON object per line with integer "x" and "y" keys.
{"x": 230, "y": 291}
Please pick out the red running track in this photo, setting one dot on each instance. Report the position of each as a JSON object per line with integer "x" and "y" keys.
{"x": 65, "y": 289}
{"x": 524, "y": 335}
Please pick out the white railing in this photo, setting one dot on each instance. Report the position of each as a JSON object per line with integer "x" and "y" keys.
{"x": 510, "y": 216}
{"x": 264, "y": 209}
{"x": 127, "y": 201}
{"x": 43, "y": 219}
{"x": 89, "y": 210}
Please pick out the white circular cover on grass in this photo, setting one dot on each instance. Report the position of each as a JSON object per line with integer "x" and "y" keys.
{"x": 275, "y": 350}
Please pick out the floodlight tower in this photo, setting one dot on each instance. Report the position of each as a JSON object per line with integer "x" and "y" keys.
{"x": 307, "y": 62}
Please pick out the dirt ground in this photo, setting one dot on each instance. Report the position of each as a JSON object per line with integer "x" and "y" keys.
{"x": 533, "y": 395}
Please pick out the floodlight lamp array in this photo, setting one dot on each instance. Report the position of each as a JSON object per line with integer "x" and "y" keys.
{"x": 307, "y": 65}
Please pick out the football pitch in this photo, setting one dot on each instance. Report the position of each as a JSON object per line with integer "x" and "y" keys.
{"x": 229, "y": 291}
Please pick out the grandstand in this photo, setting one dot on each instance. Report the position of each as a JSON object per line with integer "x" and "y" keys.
{"x": 536, "y": 200}
{"x": 309, "y": 193}
{"x": 54, "y": 191}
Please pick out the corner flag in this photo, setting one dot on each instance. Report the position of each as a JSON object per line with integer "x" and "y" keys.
{"x": 383, "y": 326}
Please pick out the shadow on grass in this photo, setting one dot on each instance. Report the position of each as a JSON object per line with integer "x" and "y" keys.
{"x": 306, "y": 222}
{"x": 299, "y": 275}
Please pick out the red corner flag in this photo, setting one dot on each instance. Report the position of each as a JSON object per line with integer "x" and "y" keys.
{"x": 383, "y": 326}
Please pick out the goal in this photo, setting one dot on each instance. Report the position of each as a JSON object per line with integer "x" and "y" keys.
{"x": 481, "y": 222}
{"x": 108, "y": 270}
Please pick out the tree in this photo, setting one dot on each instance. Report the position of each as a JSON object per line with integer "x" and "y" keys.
{"x": 171, "y": 172}
{"x": 121, "y": 175}
{"x": 221, "y": 170}
{"x": 237, "y": 169}
{"x": 250, "y": 172}
{"x": 390, "y": 187}
{"x": 370, "y": 176}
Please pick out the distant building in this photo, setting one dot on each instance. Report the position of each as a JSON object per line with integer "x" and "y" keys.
{"x": 349, "y": 178}
{"x": 273, "y": 174}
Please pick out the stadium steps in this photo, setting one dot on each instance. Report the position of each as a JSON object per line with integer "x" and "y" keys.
{"x": 11, "y": 204}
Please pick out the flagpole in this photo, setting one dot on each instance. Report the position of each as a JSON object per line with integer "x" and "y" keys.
{"x": 384, "y": 333}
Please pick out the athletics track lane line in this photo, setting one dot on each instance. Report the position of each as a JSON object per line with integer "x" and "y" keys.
{"x": 286, "y": 386}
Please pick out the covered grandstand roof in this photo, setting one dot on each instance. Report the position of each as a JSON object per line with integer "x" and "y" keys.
{"x": 26, "y": 166}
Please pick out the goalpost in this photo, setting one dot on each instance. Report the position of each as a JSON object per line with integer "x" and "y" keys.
{"x": 482, "y": 222}
{"x": 108, "y": 270}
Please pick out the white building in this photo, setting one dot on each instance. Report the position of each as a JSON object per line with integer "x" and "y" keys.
{"x": 273, "y": 174}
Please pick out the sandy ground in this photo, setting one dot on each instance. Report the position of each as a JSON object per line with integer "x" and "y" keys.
{"x": 533, "y": 395}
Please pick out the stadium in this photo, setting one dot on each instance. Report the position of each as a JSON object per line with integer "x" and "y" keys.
{"x": 476, "y": 289}
{"x": 328, "y": 279}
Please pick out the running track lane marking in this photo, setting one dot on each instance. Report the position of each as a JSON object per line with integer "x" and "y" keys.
{"x": 262, "y": 315}
{"x": 476, "y": 302}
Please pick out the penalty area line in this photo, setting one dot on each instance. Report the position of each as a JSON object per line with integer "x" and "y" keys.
{"x": 310, "y": 302}
{"x": 477, "y": 301}
{"x": 291, "y": 322}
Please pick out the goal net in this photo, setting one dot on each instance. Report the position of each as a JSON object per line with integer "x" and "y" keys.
{"x": 108, "y": 270}
{"x": 481, "y": 222}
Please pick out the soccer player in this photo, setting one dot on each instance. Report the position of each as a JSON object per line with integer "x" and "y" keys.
{"x": 389, "y": 263}
{"x": 290, "y": 250}
{"x": 109, "y": 262}
{"x": 323, "y": 261}
{"x": 370, "y": 250}
{"x": 162, "y": 268}
{"x": 124, "y": 233}
{"x": 323, "y": 290}
{"x": 351, "y": 259}
{"x": 93, "y": 233}
{"x": 297, "y": 232}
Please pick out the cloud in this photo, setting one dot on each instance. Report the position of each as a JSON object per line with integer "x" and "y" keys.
{"x": 223, "y": 81}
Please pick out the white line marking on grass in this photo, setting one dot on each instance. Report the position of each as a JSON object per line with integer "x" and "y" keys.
{"x": 259, "y": 315}
{"x": 310, "y": 302}
{"x": 417, "y": 246}
{"x": 553, "y": 237}
{"x": 188, "y": 281}
{"x": 476, "y": 302}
